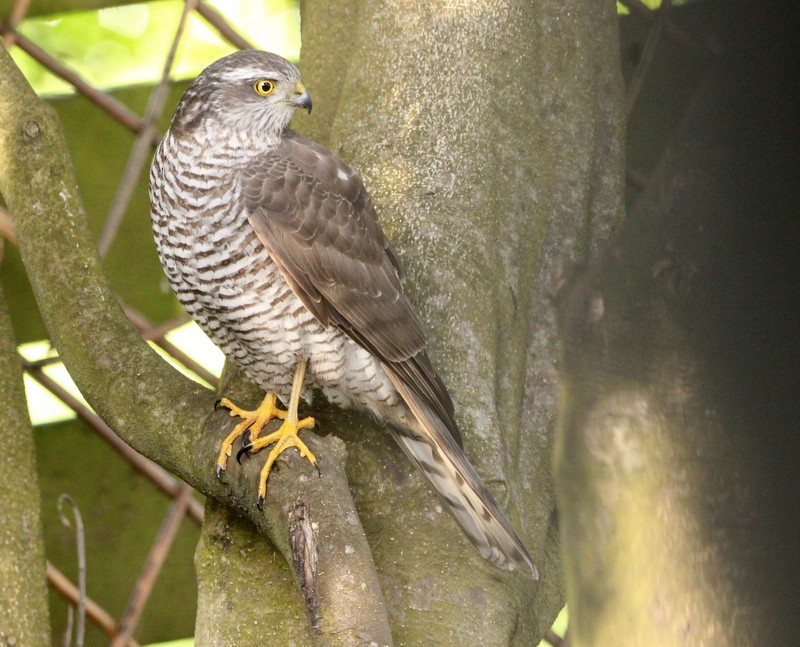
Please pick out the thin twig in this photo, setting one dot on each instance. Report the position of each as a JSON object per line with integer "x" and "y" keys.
{"x": 155, "y": 335}
{"x": 94, "y": 611}
{"x": 157, "y": 474}
{"x": 43, "y": 362}
{"x": 150, "y": 331}
{"x": 80, "y": 543}
{"x": 142, "y": 147}
{"x": 155, "y": 560}
{"x": 66, "y": 636}
{"x": 648, "y": 54}
{"x": 15, "y": 16}
{"x": 225, "y": 29}
{"x": 116, "y": 109}
{"x": 7, "y": 227}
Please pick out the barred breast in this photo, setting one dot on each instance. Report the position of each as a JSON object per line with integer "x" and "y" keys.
{"x": 225, "y": 279}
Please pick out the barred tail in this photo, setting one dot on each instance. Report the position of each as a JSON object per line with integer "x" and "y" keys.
{"x": 432, "y": 447}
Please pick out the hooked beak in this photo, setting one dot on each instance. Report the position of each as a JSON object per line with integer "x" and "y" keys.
{"x": 302, "y": 98}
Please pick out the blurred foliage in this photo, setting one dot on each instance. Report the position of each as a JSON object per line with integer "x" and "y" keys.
{"x": 125, "y": 46}
{"x": 186, "y": 642}
{"x": 650, "y": 4}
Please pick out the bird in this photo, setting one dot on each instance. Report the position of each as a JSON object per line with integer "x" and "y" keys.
{"x": 272, "y": 244}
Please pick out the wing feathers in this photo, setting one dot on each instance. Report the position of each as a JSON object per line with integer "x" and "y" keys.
{"x": 315, "y": 217}
{"x": 326, "y": 237}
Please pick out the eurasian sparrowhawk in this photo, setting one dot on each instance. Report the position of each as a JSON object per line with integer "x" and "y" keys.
{"x": 272, "y": 244}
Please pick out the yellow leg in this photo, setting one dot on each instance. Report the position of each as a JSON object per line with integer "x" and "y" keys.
{"x": 286, "y": 436}
{"x": 253, "y": 420}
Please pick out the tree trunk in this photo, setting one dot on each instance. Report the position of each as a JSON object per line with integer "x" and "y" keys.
{"x": 24, "y": 614}
{"x": 489, "y": 136}
{"x": 678, "y": 448}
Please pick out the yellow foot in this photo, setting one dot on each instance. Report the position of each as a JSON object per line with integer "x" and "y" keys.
{"x": 254, "y": 421}
{"x": 284, "y": 438}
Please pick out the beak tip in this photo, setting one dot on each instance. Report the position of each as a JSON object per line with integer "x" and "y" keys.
{"x": 304, "y": 102}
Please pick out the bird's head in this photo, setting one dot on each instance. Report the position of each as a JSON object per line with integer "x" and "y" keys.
{"x": 250, "y": 91}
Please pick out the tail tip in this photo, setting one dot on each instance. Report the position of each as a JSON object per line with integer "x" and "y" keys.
{"x": 514, "y": 560}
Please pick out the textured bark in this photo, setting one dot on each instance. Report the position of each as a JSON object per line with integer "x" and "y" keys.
{"x": 251, "y": 577}
{"x": 489, "y": 136}
{"x": 678, "y": 448}
{"x": 24, "y": 615}
{"x": 238, "y": 571}
{"x": 247, "y": 592}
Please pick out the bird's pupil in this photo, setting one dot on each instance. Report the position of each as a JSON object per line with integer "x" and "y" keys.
{"x": 266, "y": 86}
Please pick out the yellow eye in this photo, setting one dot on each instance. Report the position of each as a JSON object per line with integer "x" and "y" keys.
{"x": 264, "y": 87}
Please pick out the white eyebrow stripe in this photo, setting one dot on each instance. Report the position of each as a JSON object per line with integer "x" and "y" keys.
{"x": 245, "y": 74}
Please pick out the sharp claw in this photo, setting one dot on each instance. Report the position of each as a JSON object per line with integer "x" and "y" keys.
{"x": 219, "y": 472}
{"x": 217, "y": 402}
{"x": 246, "y": 445}
{"x": 319, "y": 471}
{"x": 260, "y": 502}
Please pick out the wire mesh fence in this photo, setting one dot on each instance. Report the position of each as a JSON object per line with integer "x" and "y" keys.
{"x": 144, "y": 129}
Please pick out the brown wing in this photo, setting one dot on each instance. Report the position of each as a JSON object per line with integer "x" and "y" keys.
{"x": 315, "y": 217}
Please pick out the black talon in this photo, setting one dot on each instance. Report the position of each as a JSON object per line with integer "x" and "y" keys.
{"x": 218, "y": 470}
{"x": 260, "y": 502}
{"x": 246, "y": 446}
{"x": 244, "y": 451}
{"x": 217, "y": 402}
{"x": 319, "y": 471}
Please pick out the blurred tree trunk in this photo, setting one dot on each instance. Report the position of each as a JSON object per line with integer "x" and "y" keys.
{"x": 678, "y": 452}
{"x": 24, "y": 614}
